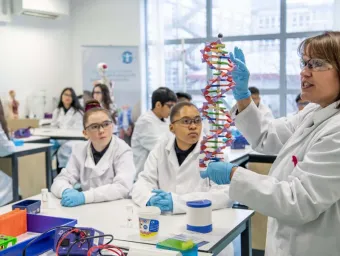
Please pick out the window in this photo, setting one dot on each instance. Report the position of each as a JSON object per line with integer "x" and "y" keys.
{"x": 178, "y": 29}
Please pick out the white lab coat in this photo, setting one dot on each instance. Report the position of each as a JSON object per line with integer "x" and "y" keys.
{"x": 302, "y": 201}
{"x": 162, "y": 171}
{"x": 71, "y": 120}
{"x": 110, "y": 179}
{"x": 6, "y": 189}
{"x": 265, "y": 110}
{"x": 147, "y": 132}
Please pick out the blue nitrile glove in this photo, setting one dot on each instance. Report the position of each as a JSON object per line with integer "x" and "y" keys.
{"x": 73, "y": 198}
{"x": 218, "y": 172}
{"x": 240, "y": 75}
{"x": 162, "y": 200}
{"x": 67, "y": 191}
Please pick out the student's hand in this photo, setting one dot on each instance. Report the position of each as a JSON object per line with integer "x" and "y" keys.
{"x": 162, "y": 200}
{"x": 240, "y": 75}
{"x": 73, "y": 198}
{"x": 218, "y": 172}
{"x": 67, "y": 191}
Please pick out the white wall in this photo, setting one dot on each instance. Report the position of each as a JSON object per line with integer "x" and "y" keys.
{"x": 34, "y": 56}
{"x": 102, "y": 22}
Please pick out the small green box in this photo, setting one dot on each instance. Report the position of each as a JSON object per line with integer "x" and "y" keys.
{"x": 187, "y": 248}
{"x": 7, "y": 240}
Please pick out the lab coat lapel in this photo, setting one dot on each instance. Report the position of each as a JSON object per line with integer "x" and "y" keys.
{"x": 103, "y": 164}
{"x": 310, "y": 124}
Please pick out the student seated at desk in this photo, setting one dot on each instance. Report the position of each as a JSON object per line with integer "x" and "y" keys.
{"x": 171, "y": 174}
{"x": 103, "y": 165}
{"x": 6, "y": 147}
{"x": 68, "y": 115}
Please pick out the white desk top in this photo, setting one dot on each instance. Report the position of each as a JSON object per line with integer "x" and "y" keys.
{"x": 110, "y": 217}
{"x": 234, "y": 154}
{"x": 34, "y": 138}
{"x": 30, "y": 146}
{"x": 53, "y": 132}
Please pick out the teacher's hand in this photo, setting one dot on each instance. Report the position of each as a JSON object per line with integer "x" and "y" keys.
{"x": 240, "y": 75}
{"x": 218, "y": 172}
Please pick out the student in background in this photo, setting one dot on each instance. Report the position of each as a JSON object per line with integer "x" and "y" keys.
{"x": 6, "y": 147}
{"x": 68, "y": 115}
{"x": 255, "y": 95}
{"x": 103, "y": 165}
{"x": 152, "y": 125}
{"x": 300, "y": 103}
{"x": 183, "y": 96}
{"x": 101, "y": 93}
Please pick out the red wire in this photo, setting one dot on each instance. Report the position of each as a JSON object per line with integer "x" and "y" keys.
{"x": 62, "y": 239}
{"x": 108, "y": 247}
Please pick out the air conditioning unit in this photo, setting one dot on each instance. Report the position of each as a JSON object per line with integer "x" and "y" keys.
{"x": 50, "y": 9}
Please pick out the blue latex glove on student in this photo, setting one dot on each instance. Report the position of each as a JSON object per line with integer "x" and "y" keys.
{"x": 240, "y": 75}
{"x": 72, "y": 197}
{"x": 218, "y": 172}
{"x": 162, "y": 200}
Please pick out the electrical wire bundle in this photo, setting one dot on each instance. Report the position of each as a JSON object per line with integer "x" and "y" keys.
{"x": 83, "y": 238}
{"x": 213, "y": 109}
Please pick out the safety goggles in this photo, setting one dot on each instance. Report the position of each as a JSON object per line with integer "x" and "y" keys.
{"x": 96, "y": 127}
{"x": 186, "y": 121}
{"x": 315, "y": 64}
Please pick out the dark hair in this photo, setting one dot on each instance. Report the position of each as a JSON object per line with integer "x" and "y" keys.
{"x": 254, "y": 90}
{"x": 163, "y": 95}
{"x": 3, "y": 121}
{"x": 184, "y": 95}
{"x": 298, "y": 98}
{"x": 75, "y": 102}
{"x": 93, "y": 106}
{"x": 106, "y": 99}
{"x": 325, "y": 46}
{"x": 175, "y": 109}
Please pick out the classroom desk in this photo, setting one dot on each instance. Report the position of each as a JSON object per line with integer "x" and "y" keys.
{"x": 36, "y": 139}
{"x": 29, "y": 149}
{"x": 59, "y": 134}
{"x": 110, "y": 218}
{"x": 256, "y": 157}
{"x": 238, "y": 156}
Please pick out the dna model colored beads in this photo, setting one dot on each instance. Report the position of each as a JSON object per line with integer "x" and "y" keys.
{"x": 213, "y": 109}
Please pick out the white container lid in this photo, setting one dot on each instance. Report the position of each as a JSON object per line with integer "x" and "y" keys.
{"x": 44, "y": 190}
{"x": 149, "y": 211}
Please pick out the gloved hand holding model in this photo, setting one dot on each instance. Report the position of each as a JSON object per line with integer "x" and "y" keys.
{"x": 72, "y": 197}
{"x": 219, "y": 172}
{"x": 162, "y": 200}
{"x": 240, "y": 75}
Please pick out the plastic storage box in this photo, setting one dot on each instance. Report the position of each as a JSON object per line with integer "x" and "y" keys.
{"x": 38, "y": 224}
{"x": 31, "y": 206}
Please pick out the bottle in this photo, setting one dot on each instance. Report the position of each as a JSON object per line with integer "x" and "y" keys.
{"x": 44, "y": 195}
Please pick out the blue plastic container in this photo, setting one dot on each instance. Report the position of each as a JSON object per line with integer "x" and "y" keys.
{"x": 18, "y": 142}
{"x": 38, "y": 224}
{"x": 32, "y": 206}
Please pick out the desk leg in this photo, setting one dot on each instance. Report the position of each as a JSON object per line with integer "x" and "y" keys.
{"x": 15, "y": 178}
{"x": 246, "y": 247}
{"x": 48, "y": 168}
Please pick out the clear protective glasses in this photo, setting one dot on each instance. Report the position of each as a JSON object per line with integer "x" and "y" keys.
{"x": 96, "y": 127}
{"x": 186, "y": 121}
{"x": 315, "y": 64}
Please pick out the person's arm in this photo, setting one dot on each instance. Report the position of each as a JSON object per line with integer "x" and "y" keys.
{"x": 54, "y": 122}
{"x": 218, "y": 195}
{"x": 147, "y": 180}
{"x": 311, "y": 189}
{"x": 122, "y": 182}
{"x": 265, "y": 134}
{"x": 67, "y": 178}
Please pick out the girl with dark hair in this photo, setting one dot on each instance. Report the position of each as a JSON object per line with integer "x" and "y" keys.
{"x": 103, "y": 165}
{"x": 101, "y": 93}
{"x": 68, "y": 115}
{"x": 6, "y": 147}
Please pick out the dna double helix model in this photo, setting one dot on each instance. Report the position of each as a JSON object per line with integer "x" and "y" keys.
{"x": 213, "y": 109}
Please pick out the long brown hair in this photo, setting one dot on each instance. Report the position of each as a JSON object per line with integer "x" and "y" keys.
{"x": 3, "y": 121}
{"x": 325, "y": 46}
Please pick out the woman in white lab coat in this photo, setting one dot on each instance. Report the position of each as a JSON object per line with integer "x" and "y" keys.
{"x": 301, "y": 194}
{"x": 68, "y": 115}
{"x": 6, "y": 147}
{"x": 173, "y": 167}
{"x": 103, "y": 166}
